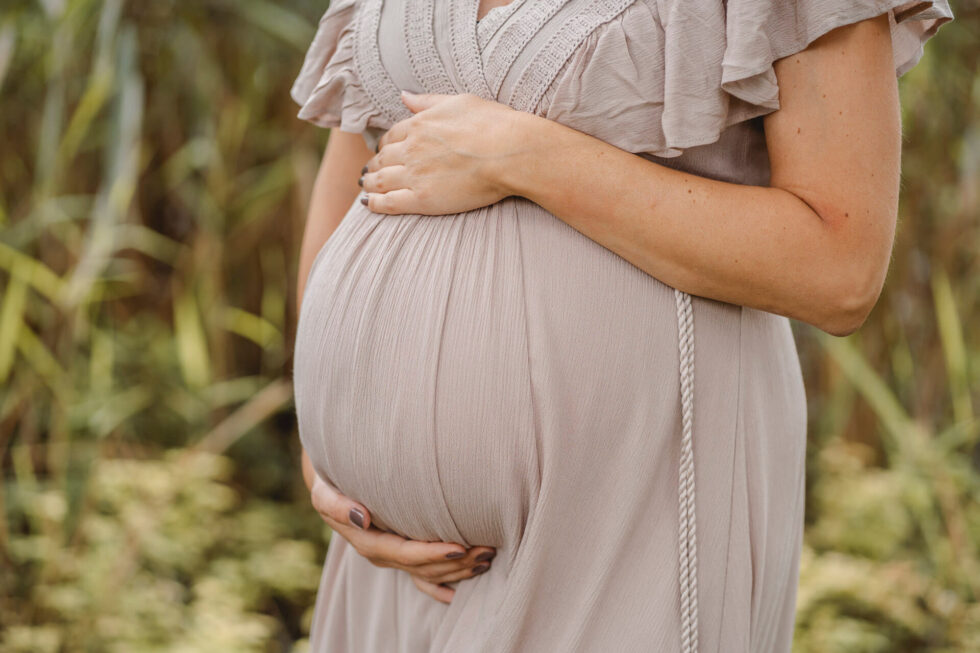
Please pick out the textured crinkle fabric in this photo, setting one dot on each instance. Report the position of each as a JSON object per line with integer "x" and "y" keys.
{"x": 759, "y": 33}
{"x": 680, "y": 72}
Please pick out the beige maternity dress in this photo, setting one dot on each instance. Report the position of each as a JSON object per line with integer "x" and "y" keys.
{"x": 496, "y": 378}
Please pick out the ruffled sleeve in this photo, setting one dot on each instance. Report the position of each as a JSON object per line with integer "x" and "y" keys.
{"x": 666, "y": 75}
{"x": 760, "y": 33}
{"x": 327, "y": 88}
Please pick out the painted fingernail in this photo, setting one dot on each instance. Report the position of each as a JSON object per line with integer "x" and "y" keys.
{"x": 356, "y": 517}
{"x": 455, "y": 555}
{"x": 364, "y": 169}
{"x": 364, "y": 200}
{"x": 486, "y": 556}
{"x": 479, "y": 569}
{"x": 360, "y": 181}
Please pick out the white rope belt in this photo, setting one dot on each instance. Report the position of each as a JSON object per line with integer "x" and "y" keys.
{"x": 688, "y": 576}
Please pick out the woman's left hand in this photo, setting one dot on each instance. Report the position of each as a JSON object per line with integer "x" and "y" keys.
{"x": 444, "y": 158}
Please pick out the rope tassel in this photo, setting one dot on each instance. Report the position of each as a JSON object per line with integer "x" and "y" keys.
{"x": 688, "y": 541}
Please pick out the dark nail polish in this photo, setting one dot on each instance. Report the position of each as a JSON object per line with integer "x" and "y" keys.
{"x": 364, "y": 200}
{"x": 356, "y": 517}
{"x": 363, "y": 170}
{"x": 455, "y": 555}
{"x": 486, "y": 556}
{"x": 479, "y": 569}
{"x": 360, "y": 181}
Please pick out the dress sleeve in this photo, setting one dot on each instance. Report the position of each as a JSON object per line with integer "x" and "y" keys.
{"x": 666, "y": 75}
{"x": 760, "y": 32}
{"x": 328, "y": 89}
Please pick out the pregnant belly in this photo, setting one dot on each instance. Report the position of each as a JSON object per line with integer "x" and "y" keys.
{"x": 417, "y": 369}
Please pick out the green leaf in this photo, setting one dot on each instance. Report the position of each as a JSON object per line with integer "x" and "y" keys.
{"x": 11, "y": 319}
{"x": 192, "y": 346}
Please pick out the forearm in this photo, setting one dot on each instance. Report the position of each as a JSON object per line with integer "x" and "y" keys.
{"x": 756, "y": 246}
{"x": 334, "y": 190}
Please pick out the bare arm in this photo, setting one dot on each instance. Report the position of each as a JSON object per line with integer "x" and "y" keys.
{"x": 334, "y": 190}
{"x": 814, "y": 246}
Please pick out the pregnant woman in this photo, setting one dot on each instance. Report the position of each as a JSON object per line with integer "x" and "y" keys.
{"x": 554, "y": 328}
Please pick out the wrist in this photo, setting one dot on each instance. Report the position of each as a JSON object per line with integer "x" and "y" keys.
{"x": 522, "y": 144}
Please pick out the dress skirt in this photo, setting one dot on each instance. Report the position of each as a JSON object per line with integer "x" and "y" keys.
{"x": 496, "y": 378}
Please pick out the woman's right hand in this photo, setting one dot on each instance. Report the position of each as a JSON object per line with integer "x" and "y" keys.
{"x": 429, "y": 563}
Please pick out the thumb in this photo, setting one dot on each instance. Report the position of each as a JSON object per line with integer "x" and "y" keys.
{"x": 420, "y": 101}
{"x": 338, "y": 507}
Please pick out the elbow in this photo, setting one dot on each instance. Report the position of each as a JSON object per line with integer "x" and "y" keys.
{"x": 848, "y": 306}
{"x": 843, "y": 322}
{"x": 853, "y": 274}
{"x": 851, "y": 263}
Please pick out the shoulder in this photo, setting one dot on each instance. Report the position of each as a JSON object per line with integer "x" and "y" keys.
{"x": 662, "y": 76}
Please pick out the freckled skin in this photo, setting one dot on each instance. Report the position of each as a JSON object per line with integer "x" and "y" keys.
{"x": 814, "y": 175}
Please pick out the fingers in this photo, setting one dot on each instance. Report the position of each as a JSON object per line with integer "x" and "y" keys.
{"x": 397, "y": 551}
{"x": 438, "y": 570}
{"x": 417, "y": 102}
{"x": 438, "y": 592}
{"x": 398, "y": 132}
{"x": 394, "y": 202}
{"x": 386, "y": 183}
{"x": 434, "y": 561}
{"x": 462, "y": 574}
{"x": 423, "y": 553}
{"x": 384, "y": 180}
{"x": 334, "y": 506}
{"x": 387, "y": 155}
{"x": 442, "y": 572}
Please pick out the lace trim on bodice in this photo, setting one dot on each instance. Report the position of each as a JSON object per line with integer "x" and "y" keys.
{"x": 549, "y": 60}
{"x": 520, "y": 22}
{"x": 464, "y": 47}
{"x": 367, "y": 60}
{"x": 516, "y": 35}
{"x": 495, "y": 18}
{"x": 421, "y": 43}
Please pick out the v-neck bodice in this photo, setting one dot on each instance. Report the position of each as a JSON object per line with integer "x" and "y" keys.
{"x": 671, "y": 79}
{"x": 439, "y": 46}
{"x": 491, "y": 10}
{"x": 488, "y": 25}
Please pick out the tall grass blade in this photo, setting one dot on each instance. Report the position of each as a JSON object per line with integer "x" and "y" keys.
{"x": 954, "y": 349}
{"x": 895, "y": 420}
{"x": 7, "y": 43}
{"x": 192, "y": 346}
{"x": 11, "y": 319}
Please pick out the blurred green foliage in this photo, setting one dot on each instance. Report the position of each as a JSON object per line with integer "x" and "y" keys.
{"x": 153, "y": 183}
{"x": 166, "y": 556}
{"x": 892, "y": 554}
